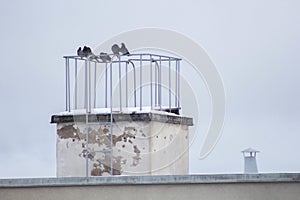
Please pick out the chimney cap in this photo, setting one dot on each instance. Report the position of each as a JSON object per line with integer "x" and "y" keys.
{"x": 249, "y": 150}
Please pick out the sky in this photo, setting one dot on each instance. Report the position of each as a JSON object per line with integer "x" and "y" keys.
{"x": 254, "y": 44}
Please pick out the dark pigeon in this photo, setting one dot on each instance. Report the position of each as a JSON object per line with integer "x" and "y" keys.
{"x": 87, "y": 51}
{"x": 124, "y": 50}
{"x": 79, "y": 52}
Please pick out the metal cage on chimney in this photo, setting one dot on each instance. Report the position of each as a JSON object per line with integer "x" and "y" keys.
{"x": 134, "y": 81}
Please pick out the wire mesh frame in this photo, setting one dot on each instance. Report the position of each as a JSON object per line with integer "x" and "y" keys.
{"x": 123, "y": 66}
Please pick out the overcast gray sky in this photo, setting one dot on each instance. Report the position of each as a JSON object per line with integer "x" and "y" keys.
{"x": 254, "y": 44}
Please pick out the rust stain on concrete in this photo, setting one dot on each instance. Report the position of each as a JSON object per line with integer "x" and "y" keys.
{"x": 91, "y": 155}
{"x": 137, "y": 157}
{"x": 101, "y": 136}
{"x": 69, "y": 132}
{"x": 103, "y": 166}
{"x": 128, "y": 134}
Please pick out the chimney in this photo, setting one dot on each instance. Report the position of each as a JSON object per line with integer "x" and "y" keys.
{"x": 119, "y": 119}
{"x": 250, "y": 165}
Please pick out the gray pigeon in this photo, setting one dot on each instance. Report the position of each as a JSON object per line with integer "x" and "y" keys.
{"x": 105, "y": 57}
{"x": 115, "y": 49}
{"x": 124, "y": 50}
{"x": 87, "y": 52}
{"x": 79, "y": 52}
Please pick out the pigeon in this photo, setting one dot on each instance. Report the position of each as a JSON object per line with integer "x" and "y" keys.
{"x": 124, "y": 50}
{"x": 87, "y": 52}
{"x": 105, "y": 57}
{"x": 115, "y": 49}
{"x": 79, "y": 52}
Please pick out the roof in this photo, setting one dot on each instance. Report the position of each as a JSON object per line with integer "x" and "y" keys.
{"x": 151, "y": 180}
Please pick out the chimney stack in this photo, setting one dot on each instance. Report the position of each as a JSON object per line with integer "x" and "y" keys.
{"x": 250, "y": 165}
{"x": 114, "y": 126}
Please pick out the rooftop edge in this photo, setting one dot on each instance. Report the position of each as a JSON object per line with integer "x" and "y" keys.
{"x": 150, "y": 180}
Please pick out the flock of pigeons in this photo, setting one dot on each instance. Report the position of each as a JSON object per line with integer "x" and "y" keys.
{"x": 104, "y": 57}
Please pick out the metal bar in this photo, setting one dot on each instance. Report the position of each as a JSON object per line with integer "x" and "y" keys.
{"x": 148, "y": 54}
{"x": 143, "y": 59}
{"x": 141, "y": 82}
{"x": 69, "y": 89}
{"x": 105, "y": 85}
{"x": 87, "y": 64}
{"x": 155, "y": 85}
{"x": 111, "y": 122}
{"x": 87, "y": 144}
{"x": 151, "y": 100}
{"x": 95, "y": 84}
{"x": 66, "y": 84}
{"x": 159, "y": 85}
{"x": 110, "y": 81}
{"x": 69, "y": 101}
{"x": 120, "y": 86}
{"x": 86, "y": 86}
{"x": 75, "y": 92}
{"x": 176, "y": 82}
{"x": 94, "y": 61}
{"x": 134, "y": 82}
{"x": 131, "y": 55}
{"x": 89, "y": 86}
{"x": 126, "y": 74}
{"x": 170, "y": 86}
{"x": 122, "y": 61}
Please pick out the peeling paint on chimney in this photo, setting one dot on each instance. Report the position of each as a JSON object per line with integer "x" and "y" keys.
{"x": 139, "y": 148}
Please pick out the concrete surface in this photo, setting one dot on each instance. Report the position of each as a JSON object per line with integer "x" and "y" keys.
{"x": 142, "y": 144}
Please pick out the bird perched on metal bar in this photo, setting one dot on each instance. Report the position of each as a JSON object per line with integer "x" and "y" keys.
{"x": 79, "y": 52}
{"x": 105, "y": 57}
{"x": 87, "y": 52}
{"x": 116, "y": 50}
{"x": 124, "y": 50}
